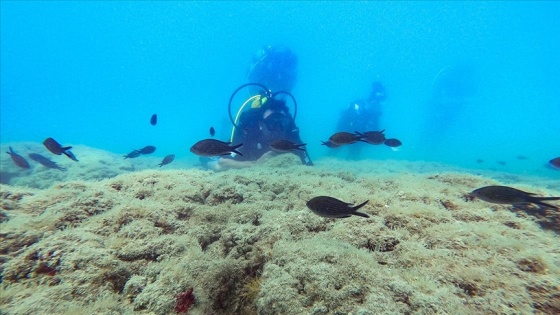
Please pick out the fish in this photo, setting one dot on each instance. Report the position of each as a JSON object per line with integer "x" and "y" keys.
{"x": 167, "y": 159}
{"x": 54, "y": 146}
{"x": 212, "y": 131}
{"x": 18, "y": 159}
{"x": 372, "y": 137}
{"x": 479, "y": 161}
{"x": 502, "y": 163}
{"x": 393, "y": 143}
{"x": 522, "y": 157}
{"x": 57, "y": 149}
{"x": 342, "y": 138}
{"x": 149, "y": 149}
{"x": 45, "y": 161}
{"x": 555, "y": 163}
{"x": 508, "y": 195}
{"x": 286, "y": 146}
{"x": 153, "y": 120}
{"x": 330, "y": 207}
{"x": 329, "y": 144}
{"x": 212, "y": 147}
{"x": 133, "y": 154}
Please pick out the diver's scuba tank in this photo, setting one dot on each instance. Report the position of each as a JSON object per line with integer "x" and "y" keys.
{"x": 256, "y": 101}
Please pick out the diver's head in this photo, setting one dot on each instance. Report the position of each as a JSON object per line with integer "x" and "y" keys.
{"x": 377, "y": 92}
{"x": 276, "y": 116}
{"x": 275, "y": 67}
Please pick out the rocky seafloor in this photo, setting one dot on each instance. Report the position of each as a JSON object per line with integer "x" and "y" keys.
{"x": 246, "y": 243}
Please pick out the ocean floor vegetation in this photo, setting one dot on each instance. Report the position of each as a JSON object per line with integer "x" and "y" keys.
{"x": 164, "y": 241}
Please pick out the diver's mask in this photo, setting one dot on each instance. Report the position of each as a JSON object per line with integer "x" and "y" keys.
{"x": 277, "y": 122}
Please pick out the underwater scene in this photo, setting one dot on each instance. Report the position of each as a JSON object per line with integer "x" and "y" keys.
{"x": 279, "y": 157}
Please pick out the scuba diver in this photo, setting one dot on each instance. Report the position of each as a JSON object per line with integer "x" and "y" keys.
{"x": 363, "y": 115}
{"x": 268, "y": 117}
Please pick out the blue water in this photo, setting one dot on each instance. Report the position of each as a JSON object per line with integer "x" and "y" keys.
{"x": 94, "y": 72}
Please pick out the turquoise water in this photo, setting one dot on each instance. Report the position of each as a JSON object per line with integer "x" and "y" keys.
{"x": 93, "y": 73}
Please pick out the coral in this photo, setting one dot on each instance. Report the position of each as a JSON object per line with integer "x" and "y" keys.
{"x": 184, "y": 301}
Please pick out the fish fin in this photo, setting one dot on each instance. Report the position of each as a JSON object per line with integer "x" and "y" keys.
{"x": 359, "y": 133}
{"x": 70, "y": 156}
{"x": 233, "y": 149}
{"x": 355, "y": 208}
{"x": 382, "y": 131}
{"x": 538, "y": 201}
{"x": 360, "y": 214}
{"x": 299, "y": 146}
{"x": 66, "y": 148}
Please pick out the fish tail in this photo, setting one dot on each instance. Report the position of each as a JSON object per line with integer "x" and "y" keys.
{"x": 66, "y": 148}
{"x": 355, "y": 208}
{"x": 11, "y": 151}
{"x": 235, "y": 147}
{"x": 360, "y": 214}
{"x": 299, "y": 146}
{"x": 538, "y": 201}
{"x": 73, "y": 158}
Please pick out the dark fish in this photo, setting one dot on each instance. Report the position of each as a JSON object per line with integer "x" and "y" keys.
{"x": 555, "y": 163}
{"x": 54, "y": 146}
{"x": 212, "y": 131}
{"x": 329, "y": 144}
{"x": 286, "y": 146}
{"x": 342, "y": 138}
{"x": 153, "y": 120}
{"x": 148, "y": 149}
{"x": 46, "y": 162}
{"x": 522, "y": 157}
{"x": 212, "y": 147}
{"x": 18, "y": 159}
{"x": 393, "y": 143}
{"x": 373, "y": 137}
{"x": 480, "y": 161}
{"x": 133, "y": 154}
{"x": 57, "y": 149}
{"x": 502, "y": 163}
{"x": 508, "y": 195}
{"x": 166, "y": 160}
{"x": 330, "y": 207}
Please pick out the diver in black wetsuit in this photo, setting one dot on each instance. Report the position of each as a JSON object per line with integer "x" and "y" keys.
{"x": 268, "y": 119}
{"x": 259, "y": 127}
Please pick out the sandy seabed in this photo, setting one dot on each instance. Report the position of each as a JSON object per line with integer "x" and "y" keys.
{"x": 246, "y": 243}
